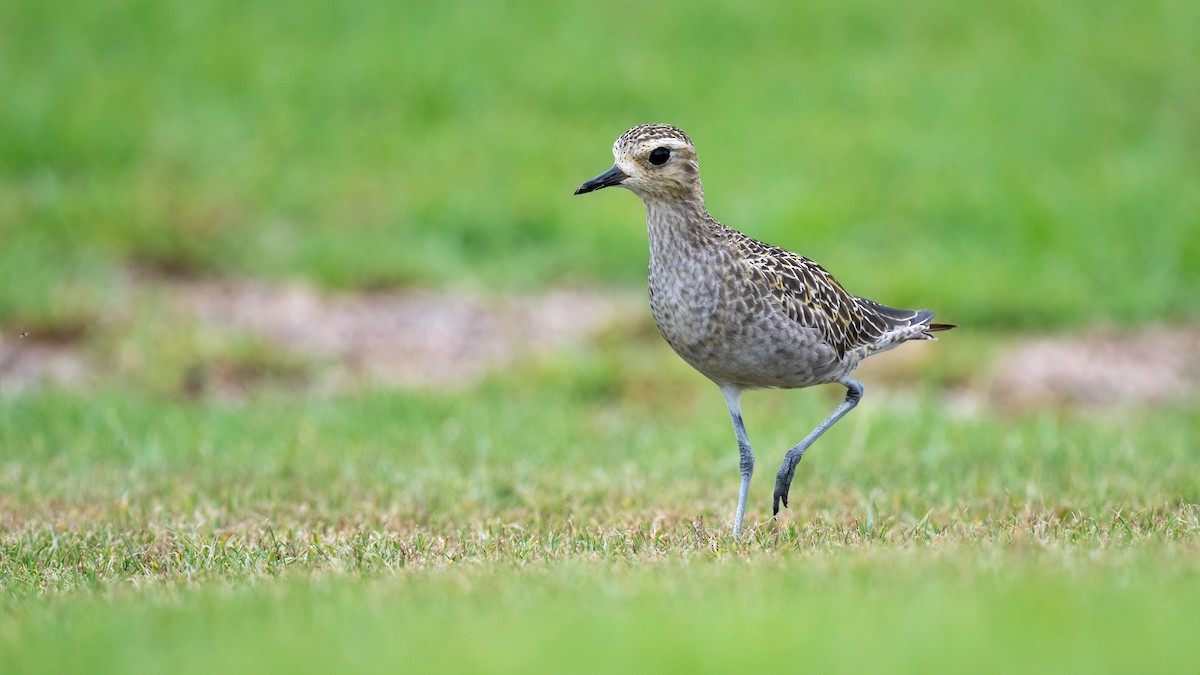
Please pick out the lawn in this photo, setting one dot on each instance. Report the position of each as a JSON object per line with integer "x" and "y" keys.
{"x": 1021, "y": 168}
{"x": 567, "y": 522}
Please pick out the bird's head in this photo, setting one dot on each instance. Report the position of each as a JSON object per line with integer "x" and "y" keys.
{"x": 655, "y": 161}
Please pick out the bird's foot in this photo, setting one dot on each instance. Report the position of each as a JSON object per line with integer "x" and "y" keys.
{"x": 783, "y": 481}
{"x": 783, "y": 484}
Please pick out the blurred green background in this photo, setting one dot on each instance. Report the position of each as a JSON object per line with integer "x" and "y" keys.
{"x": 1023, "y": 163}
{"x": 1017, "y": 166}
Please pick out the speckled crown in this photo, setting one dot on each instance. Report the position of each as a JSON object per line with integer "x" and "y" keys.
{"x": 652, "y": 132}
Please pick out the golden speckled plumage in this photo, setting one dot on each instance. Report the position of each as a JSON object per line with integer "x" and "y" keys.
{"x": 746, "y": 314}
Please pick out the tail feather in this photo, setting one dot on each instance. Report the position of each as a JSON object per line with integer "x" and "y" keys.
{"x": 918, "y": 319}
{"x": 908, "y": 317}
{"x": 922, "y": 317}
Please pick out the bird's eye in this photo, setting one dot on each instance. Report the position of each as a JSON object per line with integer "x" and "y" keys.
{"x": 659, "y": 156}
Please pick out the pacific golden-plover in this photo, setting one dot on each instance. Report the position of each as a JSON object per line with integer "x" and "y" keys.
{"x": 746, "y": 314}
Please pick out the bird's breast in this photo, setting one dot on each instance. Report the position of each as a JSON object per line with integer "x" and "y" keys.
{"x": 685, "y": 301}
{"x": 719, "y": 322}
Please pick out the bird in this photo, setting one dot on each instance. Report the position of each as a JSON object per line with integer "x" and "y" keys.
{"x": 745, "y": 314}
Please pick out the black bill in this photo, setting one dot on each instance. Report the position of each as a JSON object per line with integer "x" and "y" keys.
{"x": 609, "y": 178}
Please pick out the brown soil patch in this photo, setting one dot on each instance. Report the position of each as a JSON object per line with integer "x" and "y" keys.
{"x": 418, "y": 338}
{"x": 1100, "y": 367}
{"x": 414, "y": 338}
{"x": 433, "y": 339}
{"x": 27, "y": 361}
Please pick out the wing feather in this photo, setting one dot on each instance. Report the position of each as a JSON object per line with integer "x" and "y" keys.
{"x": 810, "y": 296}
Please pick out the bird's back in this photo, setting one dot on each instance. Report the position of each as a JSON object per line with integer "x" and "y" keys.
{"x": 747, "y": 313}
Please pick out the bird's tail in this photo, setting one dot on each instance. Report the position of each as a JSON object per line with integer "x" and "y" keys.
{"x": 923, "y": 318}
{"x": 904, "y": 324}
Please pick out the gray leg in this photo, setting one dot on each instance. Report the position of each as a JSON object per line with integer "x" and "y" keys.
{"x": 733, "y": 397}
{"x": 783, "y": 482}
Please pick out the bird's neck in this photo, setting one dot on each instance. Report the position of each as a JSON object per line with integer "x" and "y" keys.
{"x": 678, "y": 225}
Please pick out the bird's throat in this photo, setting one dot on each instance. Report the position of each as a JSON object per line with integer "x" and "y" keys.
{"x": 678, "y": 227}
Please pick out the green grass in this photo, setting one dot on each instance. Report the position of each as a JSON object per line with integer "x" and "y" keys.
{"x": 531, "y": 525}
{"x": 1028, "y": 165}
{"x": 1049, "y": 612}
{"x": 573, "y": 513}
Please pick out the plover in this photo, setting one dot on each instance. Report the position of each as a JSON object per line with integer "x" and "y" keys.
{"x": 746, "y": 314}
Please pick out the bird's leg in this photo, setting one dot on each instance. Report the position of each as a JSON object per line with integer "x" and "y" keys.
{"x": 783, "y": 482}
{"x": 746, "y": 456}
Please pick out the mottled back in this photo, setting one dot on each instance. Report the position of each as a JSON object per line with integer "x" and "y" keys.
{"x": 810, "y": 296}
